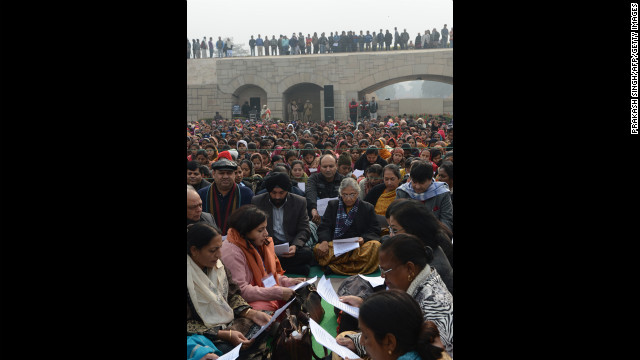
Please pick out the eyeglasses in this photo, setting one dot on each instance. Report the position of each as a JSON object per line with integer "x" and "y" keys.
{"x": 351, "y": 196}
{"x": 383, "y": 272}
{"x": 193, "y": 207}
{"x": 393, "y": 230}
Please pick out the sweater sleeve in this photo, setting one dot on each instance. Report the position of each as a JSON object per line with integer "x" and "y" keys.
{"x": 327, "y": 225}
{"x": 446, "y": 210}
{"x": 311, "y": 193}
{"x": 303, "y": 233}
{"x": 371, "y": 229}
{"x": 234, "y": 259}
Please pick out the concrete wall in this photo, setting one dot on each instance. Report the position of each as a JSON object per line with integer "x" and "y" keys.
{"x": 216, "y": 84}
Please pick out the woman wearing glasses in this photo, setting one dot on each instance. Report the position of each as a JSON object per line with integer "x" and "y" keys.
{"x": 404, "y": 264}
{"x": 348, "y": 217}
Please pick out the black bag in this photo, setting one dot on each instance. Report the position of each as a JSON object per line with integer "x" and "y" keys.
{"x": 353, "y": 285}
{"x": 309, "y": 301}
{"x": 293, "y": 339}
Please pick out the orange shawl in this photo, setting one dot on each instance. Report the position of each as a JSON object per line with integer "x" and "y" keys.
{"x": 384, "y": 153}
{"x": 254, "y": 258}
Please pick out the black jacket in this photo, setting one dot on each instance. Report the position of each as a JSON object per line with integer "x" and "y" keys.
{"x": 364, "y": 223}
{"x": 295, "y": 220}
{"x": 318, "y": 188}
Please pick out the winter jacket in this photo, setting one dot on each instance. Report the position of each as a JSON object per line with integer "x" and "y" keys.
{"x": 438, "y": 200}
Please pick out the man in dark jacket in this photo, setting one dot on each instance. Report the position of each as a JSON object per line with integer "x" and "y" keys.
{"x": 387, "y": 40}
{"x": 287, "y": 222}
{"x": 371, "y": 157}
{"x": 321, "y": 185}
{"x": 194, "y": 209}
{"x": 194, "y": 176}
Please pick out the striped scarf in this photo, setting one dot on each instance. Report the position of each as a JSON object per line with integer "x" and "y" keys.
{"x": 344, "y": 220}
{"x": 214, "y": 206}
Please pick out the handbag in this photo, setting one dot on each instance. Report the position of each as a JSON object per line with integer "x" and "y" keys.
{"x": 293, "y": 339}
{"x": 309, "y": 301}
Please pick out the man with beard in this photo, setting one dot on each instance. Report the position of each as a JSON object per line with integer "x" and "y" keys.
{"x": 280, "y": 204}
{"x": 224, "y": 196}
{"x": 194, "y": 209}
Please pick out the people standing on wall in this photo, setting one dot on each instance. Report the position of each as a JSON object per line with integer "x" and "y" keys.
{"x": 322, "y": 43}
{"x": 301, "y": 44}
{"x": 210, "y": 47}
{"x": 418, "y": 42}
{"x": 435, "y": 38}
{"x": 387, "y": 40}
{"x": 314, "y": 41}
{"x": 203, "y": 48}
{"x": 405, "y": 39}
{"x": 364, "y": 108}
{"x": 451, "y": 38}
{"x": 426, "y": 39}
{"x": 293, "y": 42}
{"x": 219, "y": 46}
{"x": 188, "y": 49}
{"x": 381, "y": 40}
{"x": 308, "y": 42}
{"x": 274, "y": 44}
{"x": 367, "y": 41}
{"x": 396, "y": 39}
{"x": 196, "y": 49}
{"x": 260, "y": 45}
{"x": 252, "y": 46}
{"x": 445, "y": 36}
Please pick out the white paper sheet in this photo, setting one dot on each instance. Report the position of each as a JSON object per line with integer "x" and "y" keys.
{"x": 224, "y": 238}
{"x": 322, "y": 204}
{"x": 273, "y": 318}
{"x": 325, "y": 339}
{"x": 297, "y": 286}
{"x": 346, "y": 240}
{"x": 357, "y": 173}
{"x": 373, "y": 280}
{"x": 312, "y": 170}
{"x": 325, "y": 290}
{"x": 302, "y": 186}
{"x": 281, "y": 249}
{"x": 233, "y": 354}
{"x": 343, "y": 248}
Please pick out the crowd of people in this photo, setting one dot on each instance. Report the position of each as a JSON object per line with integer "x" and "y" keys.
{"x": 257, "y": 185}
{"x": 334, "y": 42}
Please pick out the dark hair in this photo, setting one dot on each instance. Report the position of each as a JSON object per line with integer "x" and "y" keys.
{"x": 363, "y": 141}
{"x": 435, "y": 152}
{"x": 408, "y": 247}
{"x": 201, "y": 152}
{"x": 375, "y": 168}
{"x": 246, "y": 218}
{"x": 396, "y": 312}
{"x": 296, "y": 162}
{"x": 251, "y": 146}
{"x": 372, "y": 150}
{"x": 193, "y": 165}
{"x": 418, "y": 220}
{"x": 407, "y": 163}
{"x": 249, "y": 164}
{"x": 290, "y": 153}
{"x": 200, "y": 235}
{"x": 276, "y": 158}
{"x": 394, "y": 168}
{"x": 448, "y": 168}
{"x": 306, "y": 152}
{"x": 421, "y": 171}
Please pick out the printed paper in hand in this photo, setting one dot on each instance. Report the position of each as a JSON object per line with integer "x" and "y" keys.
{"x": 373, "y": 280}
{"x": 322, "y": 205}
{"x": 325, "y": 290}
{"x": 357, "y": 173}
{"x": 233, "y": 354}
{"x": 302, "y": 186}
{"x": 325, "y": 339}
{"x": 297, "y": 286}
{"x": 312, "y": 170}
{"x": 273, "y": 318}
{"x": 341, "y": 246}
{"x": 282, "y": 248}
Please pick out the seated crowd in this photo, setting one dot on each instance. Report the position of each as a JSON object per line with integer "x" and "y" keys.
{"x": 265, "y": 203}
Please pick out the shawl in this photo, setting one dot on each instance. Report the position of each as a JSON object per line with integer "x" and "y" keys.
{"x": 411, "y": 355}
{"x": 384, "y": 152}
{"x": 302, "y": 179}
{"x": 255, "y": 256}
{"x": 436, "y": 188}
{"x": 383, "y": 202}
{"x": 214, "y": 206}
{"x": 209, "y": 293}
{"x": 344, "y": 220}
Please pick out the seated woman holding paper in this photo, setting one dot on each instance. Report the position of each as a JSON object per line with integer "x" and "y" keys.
{"x": 383, "y": 194}
{"x": 345, "y": 218}
{"x": 250, "y": 256}
{"x": 404, "y": 263}
{"x": 394, "y": 329}
{"x": 215, "y": 308}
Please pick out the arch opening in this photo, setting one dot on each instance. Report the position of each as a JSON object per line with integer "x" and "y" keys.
{"x": 300, "y": 93}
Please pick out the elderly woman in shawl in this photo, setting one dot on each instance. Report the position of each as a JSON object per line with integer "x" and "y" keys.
{"x": 250, "y": 256}
{"x": 383, "y": 194}
{"x": 348, "y": 217}
{"x": 215, "y": 308}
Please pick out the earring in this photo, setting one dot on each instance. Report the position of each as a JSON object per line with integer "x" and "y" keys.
{"x": 389, "y": 352}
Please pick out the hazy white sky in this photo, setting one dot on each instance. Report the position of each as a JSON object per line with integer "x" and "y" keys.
{"x": 242, "y": 18}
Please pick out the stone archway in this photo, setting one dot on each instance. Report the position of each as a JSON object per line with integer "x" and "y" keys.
{"x": 249, "y": 93}
{"x": 303, "y": 92}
